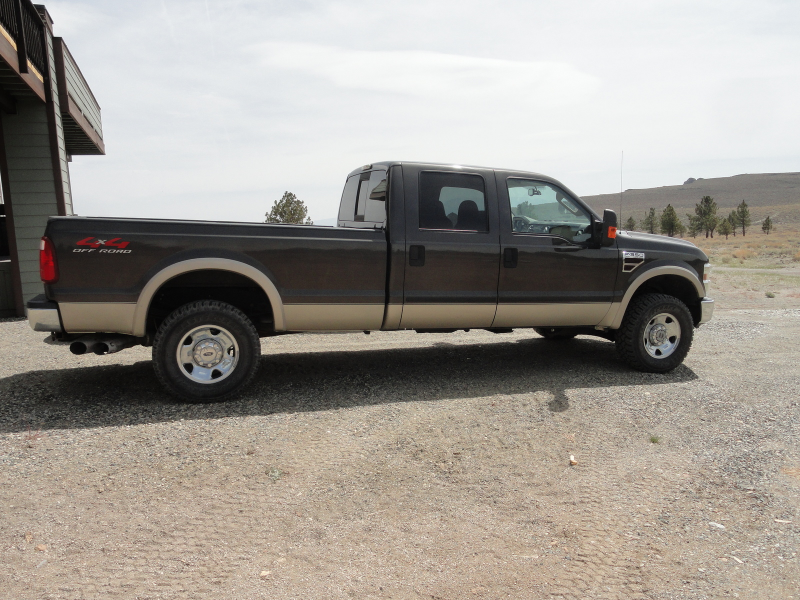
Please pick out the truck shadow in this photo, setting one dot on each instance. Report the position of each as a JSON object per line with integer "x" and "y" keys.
{"x": 115, "y": 395}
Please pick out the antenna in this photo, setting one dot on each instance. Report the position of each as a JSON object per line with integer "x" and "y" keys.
{"x": 621, "y": 162}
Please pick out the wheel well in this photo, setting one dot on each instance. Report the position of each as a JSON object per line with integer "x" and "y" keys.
{"x": 673, "y": 285}
{"x": 212, "y": 284}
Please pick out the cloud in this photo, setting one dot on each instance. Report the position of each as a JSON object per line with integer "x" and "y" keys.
{"x": 434, "y": 75}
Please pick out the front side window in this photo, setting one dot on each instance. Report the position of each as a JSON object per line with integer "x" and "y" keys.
{"x": 452, "y": 202}
{"x": 542, "y": 208}
{"x": 364, "y": 199}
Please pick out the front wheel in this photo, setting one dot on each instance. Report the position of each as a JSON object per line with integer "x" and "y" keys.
{"x": 206, "y": 351}
{"x": 656, "y": 333}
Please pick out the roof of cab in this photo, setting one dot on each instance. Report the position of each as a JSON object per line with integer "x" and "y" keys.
{"x": 386, "y": 164}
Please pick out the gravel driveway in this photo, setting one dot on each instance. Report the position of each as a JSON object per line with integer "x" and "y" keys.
{"x": 404, "y": 465}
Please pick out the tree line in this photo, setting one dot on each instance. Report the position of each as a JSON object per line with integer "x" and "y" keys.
{"x": 704, "y": 221}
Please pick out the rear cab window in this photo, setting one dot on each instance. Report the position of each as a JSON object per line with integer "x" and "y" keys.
{"x": 364, "y": 200}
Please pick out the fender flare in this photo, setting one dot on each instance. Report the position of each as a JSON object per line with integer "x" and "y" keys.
{"x": 202, "y": 264}
{"x": 613, "y": 318}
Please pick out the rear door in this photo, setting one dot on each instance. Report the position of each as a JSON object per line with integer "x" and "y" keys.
{"x": 452, "y": 248}
{"x": 551, "y": 274}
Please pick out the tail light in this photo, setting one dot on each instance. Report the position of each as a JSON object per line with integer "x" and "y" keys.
{"x": 48, "y": 269}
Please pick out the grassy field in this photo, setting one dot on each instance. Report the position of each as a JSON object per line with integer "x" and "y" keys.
{"x": 757, "y": 270}
{"x": 781, "y": 248}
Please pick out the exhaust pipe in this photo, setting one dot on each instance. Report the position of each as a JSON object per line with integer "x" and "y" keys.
{"x": 101, "y": 345}
{"x": 112, "y": 345}
{"x": 84, "y": 344}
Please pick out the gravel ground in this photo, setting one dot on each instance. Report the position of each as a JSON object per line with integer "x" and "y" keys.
{"x": 403, "y": 465}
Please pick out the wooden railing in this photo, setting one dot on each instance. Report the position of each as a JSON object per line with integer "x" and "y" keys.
{"x": 22, "y": 22}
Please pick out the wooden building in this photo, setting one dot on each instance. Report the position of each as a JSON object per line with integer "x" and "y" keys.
{"x": 47, "y": 115}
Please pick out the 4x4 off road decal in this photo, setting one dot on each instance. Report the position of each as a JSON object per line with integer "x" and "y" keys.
{"x": 111, "y": 246}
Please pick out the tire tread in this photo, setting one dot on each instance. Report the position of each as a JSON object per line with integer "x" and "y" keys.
{"x": 187, "y": 310}
{"x": 626, "y": 336}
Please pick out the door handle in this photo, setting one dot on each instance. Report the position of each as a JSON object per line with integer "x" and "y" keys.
{"x": 416, "y": 256}
{"x": 567, "y": 248}
{"x": 510, "y": 257}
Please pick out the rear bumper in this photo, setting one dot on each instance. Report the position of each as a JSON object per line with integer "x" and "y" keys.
{"x": 706, "y": 310}
{"x": 43, "y": 315}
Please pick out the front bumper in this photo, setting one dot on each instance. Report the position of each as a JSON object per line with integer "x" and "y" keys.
{"x": 43, "y": 315}
{"x": 706, "y": 310}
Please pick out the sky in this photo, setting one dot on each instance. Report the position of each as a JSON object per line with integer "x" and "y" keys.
{"x": 212, "y": 109}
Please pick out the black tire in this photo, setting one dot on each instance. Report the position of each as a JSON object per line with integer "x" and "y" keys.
{"x": 228, "y": 336}
{"x": 645, "y": 314}
{"x": 555, "y": 333}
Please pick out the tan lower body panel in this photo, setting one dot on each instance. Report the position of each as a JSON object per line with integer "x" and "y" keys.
{"x": 391, "y": 320}
{"x": 550, "y": 315}
{"x": 333, "y": 317}
{"x": 97, "y": 317}
{"x": 447, "y": 316}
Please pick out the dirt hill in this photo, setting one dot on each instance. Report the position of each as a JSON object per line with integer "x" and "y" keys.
{"x": 773, "y": 194}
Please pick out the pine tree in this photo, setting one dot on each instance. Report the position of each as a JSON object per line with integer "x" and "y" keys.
{"x": 694, "y": 225}
{"x": 725, "y": 228}
{"x": 650, "y": 222}
{"x": 289, "y": 209}
{"x": 706, "y": 211}
{"x": 630, "y": 224}
{"x": 766, "y": 226}
{"x": 743, "y": 214}
{"x": 733, "y": 219}
{"x": 670, "y": 222}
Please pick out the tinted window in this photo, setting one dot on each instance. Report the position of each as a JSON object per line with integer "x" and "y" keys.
{"x": 538, "y": 207}
{"x": 348, "y": 205}
{"x": 364, "y": 198}
{"x": 452, "y": 201}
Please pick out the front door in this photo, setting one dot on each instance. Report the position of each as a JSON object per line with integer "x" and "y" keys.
{"x": 551, "y": 274}
{"x": 452, "y": 248}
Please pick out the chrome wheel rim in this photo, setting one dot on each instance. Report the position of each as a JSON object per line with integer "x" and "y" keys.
{"x": 662, "y": 335}
{"x": 207, "y": 354}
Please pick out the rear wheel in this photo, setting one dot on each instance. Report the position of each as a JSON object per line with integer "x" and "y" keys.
{"x": 206, "y": 351}
{"x": 555, "y": 333}
{"x": 656, "y": 333}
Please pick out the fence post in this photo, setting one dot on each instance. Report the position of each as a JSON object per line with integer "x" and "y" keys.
{"x": 22, "y": 51}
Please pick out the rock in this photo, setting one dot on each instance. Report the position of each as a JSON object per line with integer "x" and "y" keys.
{"x": 717, "y": 525}
{"x": 572, "y": 460}
{"x": 690, "y": 180}
{"x": 29, "y": 537}
{"x": 265, "y": 574}
{"x": 41, "y": 548}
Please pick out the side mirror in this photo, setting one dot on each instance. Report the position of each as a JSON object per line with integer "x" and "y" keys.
{"x": 609, "y": 231}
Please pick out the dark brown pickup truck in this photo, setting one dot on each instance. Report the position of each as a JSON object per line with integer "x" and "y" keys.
{"x": 418, "y": 246}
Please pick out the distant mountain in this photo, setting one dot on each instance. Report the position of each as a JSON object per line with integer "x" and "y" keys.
{"x": 773, "y": 194}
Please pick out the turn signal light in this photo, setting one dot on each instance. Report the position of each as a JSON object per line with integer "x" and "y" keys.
{"x": 48, "y": 269}
{"x": 612, "y": 233}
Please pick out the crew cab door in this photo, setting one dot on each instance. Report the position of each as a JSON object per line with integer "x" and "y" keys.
{"x": 452, "y": 248}
{"x": 550, "y": 273}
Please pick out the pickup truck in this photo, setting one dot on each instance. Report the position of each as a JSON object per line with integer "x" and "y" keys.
{"x": 417, "y": 246}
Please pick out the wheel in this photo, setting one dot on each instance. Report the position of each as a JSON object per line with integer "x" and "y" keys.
{"x": 206, "y": 351}
{"x": 656, "y": 333}
{"x": 555, "y": 333}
